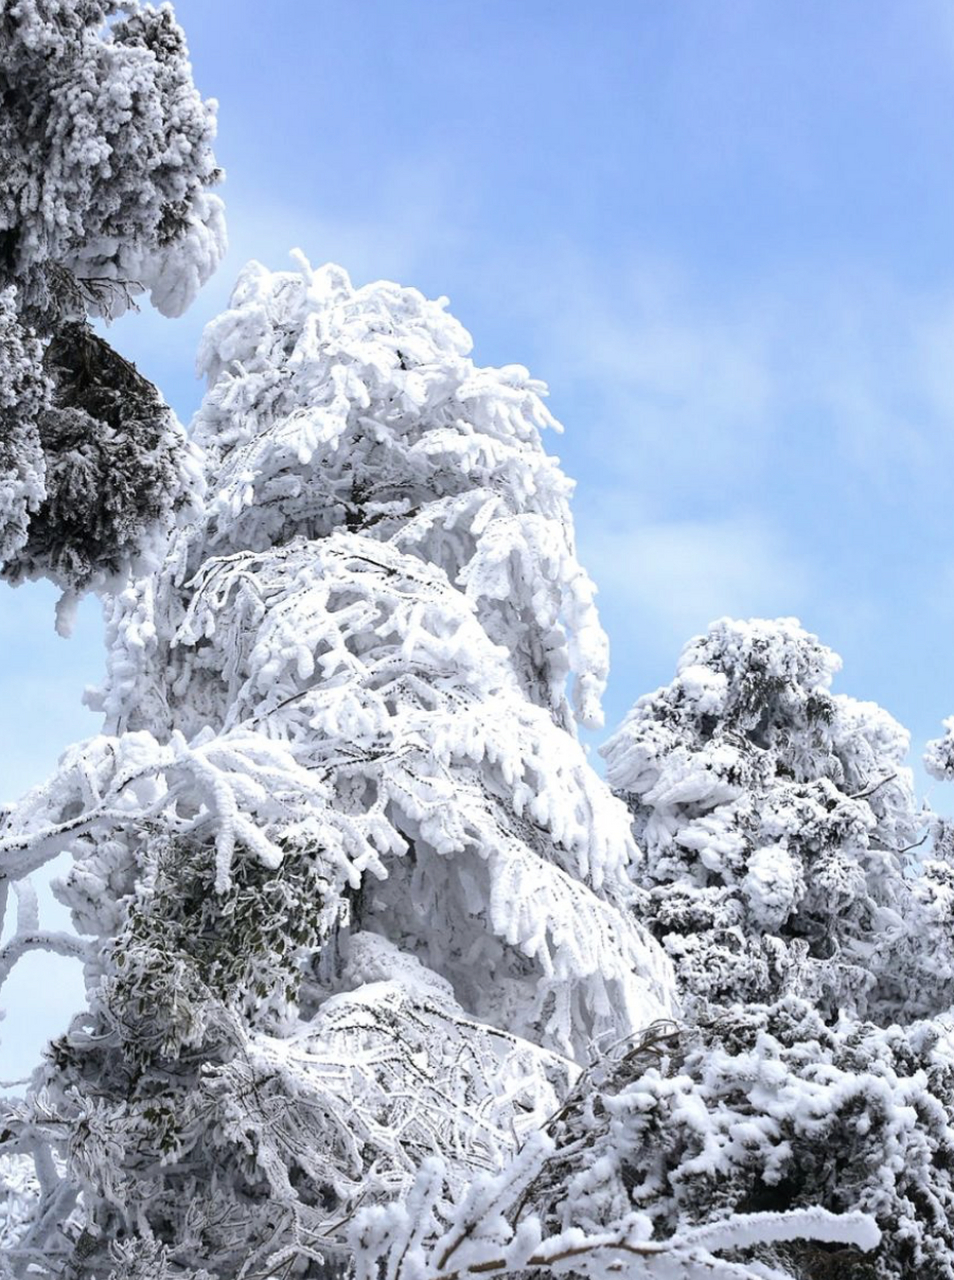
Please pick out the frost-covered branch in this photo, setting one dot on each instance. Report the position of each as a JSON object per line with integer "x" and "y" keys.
{"x": 430, "y": 1239}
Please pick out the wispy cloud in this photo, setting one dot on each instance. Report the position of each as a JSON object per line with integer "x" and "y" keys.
{"x": 798, "y": 371}
{"x": 673, "y": 578}
{"x": 789, "y": 453}
{"x": 683, "y": 396}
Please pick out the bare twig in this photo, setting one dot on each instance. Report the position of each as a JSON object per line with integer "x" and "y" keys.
{"x": 862, "y": 795}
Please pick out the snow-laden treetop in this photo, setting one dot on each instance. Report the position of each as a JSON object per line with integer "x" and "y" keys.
{"x": 395, "y": 432}
{"x": 332, "y": 408}
{"x": 777, "y": 820}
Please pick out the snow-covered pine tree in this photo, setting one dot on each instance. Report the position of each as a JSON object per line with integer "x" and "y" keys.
{"x": 777, "y": 821}
{"x": 106, "y": 161}
{"x": 348, "y": 893}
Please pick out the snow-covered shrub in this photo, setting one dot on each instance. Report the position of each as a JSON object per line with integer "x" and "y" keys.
{"x": 767, "y": 1109}
{"x": 708, "y": 1154}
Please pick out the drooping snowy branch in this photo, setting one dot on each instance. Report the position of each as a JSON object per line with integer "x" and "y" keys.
{"x": 491, "y": 1230}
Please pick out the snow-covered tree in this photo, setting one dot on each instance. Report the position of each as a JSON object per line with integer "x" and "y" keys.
{"x": 348, "y": 894}
{"x": 106, "y": 162}
{"x": 776, "y": 821}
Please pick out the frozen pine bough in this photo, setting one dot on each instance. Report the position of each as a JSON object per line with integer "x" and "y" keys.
{"x": 651, "y": 1168}
{"x": 107, "y": 160}
{"x": 763, "y": 1143}
{"x": 24, "y": 392}
{"x": 349, "y": 896}
{"x": 107, "y": 164}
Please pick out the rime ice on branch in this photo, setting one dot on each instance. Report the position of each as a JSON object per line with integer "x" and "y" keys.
{"x": 354, "y": 897}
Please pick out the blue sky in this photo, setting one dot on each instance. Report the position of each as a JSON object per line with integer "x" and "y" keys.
{"x": 722, "y": 232}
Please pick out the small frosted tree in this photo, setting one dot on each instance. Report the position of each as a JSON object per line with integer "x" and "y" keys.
{"x": 348, "y": 893}
{"x": 105, "y": 151}
{"x": 776, "y": 821}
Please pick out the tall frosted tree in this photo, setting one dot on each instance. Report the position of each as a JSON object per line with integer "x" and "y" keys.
{"x": 347, "y": 892}
{"x": 106, "y": 163}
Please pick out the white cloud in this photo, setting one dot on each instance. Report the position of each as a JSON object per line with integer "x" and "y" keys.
{"x": 706, "y": 391}
{"x": 672, "y": 393}
{"x": 673, "y": 578}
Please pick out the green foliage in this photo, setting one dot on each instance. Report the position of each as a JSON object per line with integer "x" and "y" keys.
{"x": 186, "y": 944}
{"x": 112, "y": 454}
